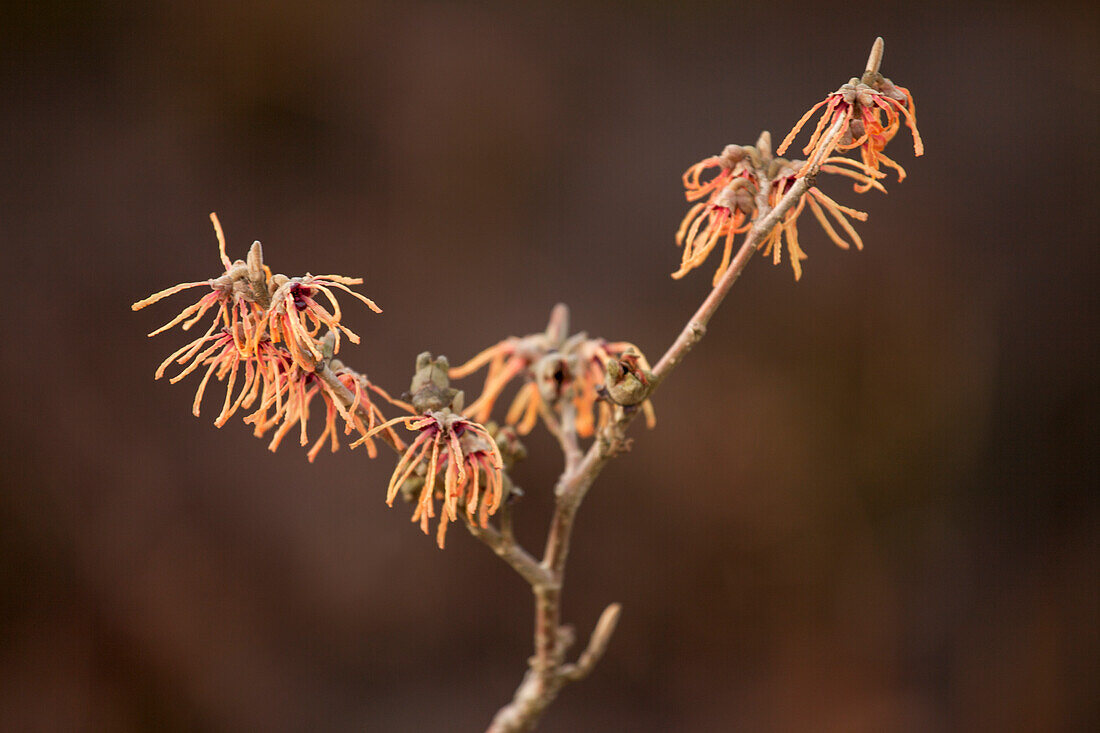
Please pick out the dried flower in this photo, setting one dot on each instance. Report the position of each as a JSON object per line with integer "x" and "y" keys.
{"x": 628, "y": 380}
{"x": 596, "y": 359}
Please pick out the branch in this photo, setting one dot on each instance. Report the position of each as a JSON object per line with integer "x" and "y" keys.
{"x": 520, "y": 560}
{"x": 597, "y": 645}
{"x": 565, "y": 431}
{"x": 547, "y": 674}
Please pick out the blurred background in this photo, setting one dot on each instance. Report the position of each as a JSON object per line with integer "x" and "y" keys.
{"x": 869, "y": 503}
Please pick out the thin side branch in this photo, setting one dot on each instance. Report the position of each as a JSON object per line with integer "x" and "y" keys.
{"x": 597, "y": 644}
{"x": 520, "y": 560}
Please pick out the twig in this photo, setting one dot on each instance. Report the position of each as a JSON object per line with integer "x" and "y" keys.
{"x": 520, "y": 560}
{"x": 597, "y": 645}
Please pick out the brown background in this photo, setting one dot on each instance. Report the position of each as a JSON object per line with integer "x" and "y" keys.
{"x": 870, "y": 501}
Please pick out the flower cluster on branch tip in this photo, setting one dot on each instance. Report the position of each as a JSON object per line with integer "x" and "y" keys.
{"x": 558, "y": 370}
{"x": 869, "y": 109}
{"x": 265, "y": 342}
{"x": 731, "y": 188}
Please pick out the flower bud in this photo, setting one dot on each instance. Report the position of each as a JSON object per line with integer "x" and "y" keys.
{"x": 627, "y": 382}
{"x": 731, "y": 156}
{"x": 431, "y": 389}
{"x": 557, "y": 330}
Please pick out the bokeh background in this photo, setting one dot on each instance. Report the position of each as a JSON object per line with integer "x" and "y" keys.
{"x": 870, "y": 501}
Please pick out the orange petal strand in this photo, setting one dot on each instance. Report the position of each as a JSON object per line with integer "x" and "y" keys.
{"x": 798, "y": 126}
{"x": 165, "y": 293}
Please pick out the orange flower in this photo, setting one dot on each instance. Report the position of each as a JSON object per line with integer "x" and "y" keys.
{"x": 295, "y": 317}
{"x": 732, "y": 207}
{"x": 268, "y": 328}
{"x": 464, "y": 452}
{"x": 230, "y": 292}
{"x": 818, "y": 203}
{"x": 727, "y": 213}
{"x": 728, "y": 164}
{"x": 288, "y": 393}
{"x": 553, "y": 368}
{"x": 870, "y": 113}
{"x": 507, "y": 360}
{"x": 220, "y": 354}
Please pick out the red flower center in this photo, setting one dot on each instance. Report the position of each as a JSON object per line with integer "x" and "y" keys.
{"x": 299, "y": 293}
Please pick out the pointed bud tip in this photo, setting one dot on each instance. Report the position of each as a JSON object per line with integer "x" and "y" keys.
{"x": 874, "y": 60}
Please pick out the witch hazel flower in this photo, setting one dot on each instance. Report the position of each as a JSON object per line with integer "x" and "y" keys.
{"x": 510, "y": 358}
{"x": 725, "y": 212}
{"x": 869, "y": 110}
{"x": 267, "y": 334}
{"x": 507, "y": 360}
{"x": 295, "y": 317}
{"x": 235, "y": 294}
{"x": 447, "y": 443}
{"x": 819, "y": 204}
{"x": 269, "y": 374}
{"x": 222, "y": 357}
{"x": 754, "y": 167}
{"x": 253, "y": 304}
{"x": 464, "y": 453}
{"x": 288, "y": 397}
{"x": 555, "y": 368}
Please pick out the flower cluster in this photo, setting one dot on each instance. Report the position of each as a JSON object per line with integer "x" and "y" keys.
{"x": 451, "y": 458}
{"x": 557, "y": 370}
{"x": 733, "y": 194}
{"x": 460, "y": 449}
{"x": 869, "y": 112}
{"x": 731, "y": 190}
{"x": 819, "y": 204}
{"x": 266, "y": 336}
{"x": 727, "y": 210}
